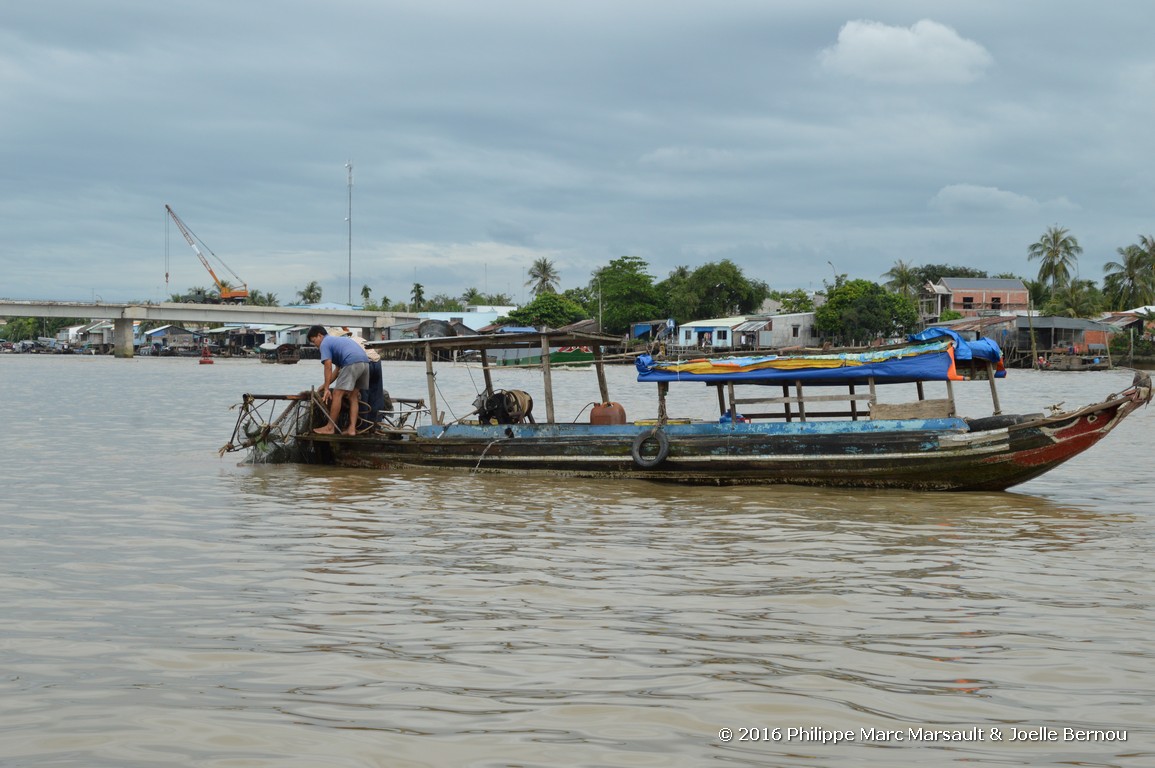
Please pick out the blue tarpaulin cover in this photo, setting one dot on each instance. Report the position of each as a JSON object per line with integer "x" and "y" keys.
{"x": 931, "y": 357}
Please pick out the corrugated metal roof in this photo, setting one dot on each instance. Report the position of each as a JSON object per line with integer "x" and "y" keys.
{"x": 977, "y": 323}
{"x": 1064, "y": 323}
{"x": 983, "y": 284}
{"x": 721, "y": 322}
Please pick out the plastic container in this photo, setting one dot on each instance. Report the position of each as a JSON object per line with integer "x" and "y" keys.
{"x": 607, "y": 413}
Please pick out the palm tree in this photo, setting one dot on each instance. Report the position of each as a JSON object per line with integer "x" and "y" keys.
{"x": 903, "y": 279}
{"x": 1078, "y": 298}
{"x": 258, "y": 299}
{"x": 1130, "y": 282}
{"x": 1058, "y": 251}
{"x": 471, "y": 296}
{"x": 543, "y": 277}
{"x": 418, "y": 294}
{"x": 310, "y": 294}
{"x": 366, "y": 292}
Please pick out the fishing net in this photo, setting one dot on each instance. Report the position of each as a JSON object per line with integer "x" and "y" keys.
{"x": 268, "y": 427}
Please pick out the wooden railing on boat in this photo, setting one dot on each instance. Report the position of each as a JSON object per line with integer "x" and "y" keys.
{"x": 795, "y": 404}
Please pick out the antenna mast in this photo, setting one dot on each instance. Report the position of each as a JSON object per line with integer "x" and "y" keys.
{"x": 349, "y": 218}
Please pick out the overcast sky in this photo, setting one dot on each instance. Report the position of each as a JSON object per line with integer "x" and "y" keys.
{"x": 797, "y": 139}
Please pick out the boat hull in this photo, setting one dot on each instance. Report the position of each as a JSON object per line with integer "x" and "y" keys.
{"x": 920, "y": 454}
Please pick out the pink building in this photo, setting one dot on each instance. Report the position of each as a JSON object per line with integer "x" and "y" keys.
{"x": 974, "y": 297}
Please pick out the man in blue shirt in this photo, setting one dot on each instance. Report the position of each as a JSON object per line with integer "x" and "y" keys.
{"x": 346, "y": 370}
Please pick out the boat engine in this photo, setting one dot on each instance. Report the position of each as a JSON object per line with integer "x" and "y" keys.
{"x": 505, "y": 406}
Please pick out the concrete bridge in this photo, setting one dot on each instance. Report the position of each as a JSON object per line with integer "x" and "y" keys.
{"x": 123, "y": 316}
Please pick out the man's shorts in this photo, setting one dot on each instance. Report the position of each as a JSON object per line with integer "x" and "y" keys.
{"x": 352, "y": 376}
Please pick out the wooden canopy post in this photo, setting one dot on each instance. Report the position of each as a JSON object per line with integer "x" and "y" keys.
{"x": 599, "y": 366}
{"x": 431, "y": 380}
{"x": 545, "y": 374}
{"x": 994, "y": 389}
{"x": 486, "y": 373}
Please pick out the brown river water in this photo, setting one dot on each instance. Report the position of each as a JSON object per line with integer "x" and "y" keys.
{"x": 163, "y": 606}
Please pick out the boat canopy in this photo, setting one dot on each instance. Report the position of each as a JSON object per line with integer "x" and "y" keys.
{"x": 931, "y": 356}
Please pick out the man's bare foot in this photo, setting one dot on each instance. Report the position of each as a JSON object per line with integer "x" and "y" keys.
{"x": 350, "y": 434}
{"x": 325, "y": 430}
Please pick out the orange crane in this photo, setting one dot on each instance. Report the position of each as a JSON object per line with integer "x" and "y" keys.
{"x": 228, "y": 294}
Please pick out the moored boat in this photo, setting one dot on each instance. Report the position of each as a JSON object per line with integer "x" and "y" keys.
{"x": 285, "y": 354}
{"x": 814, "y": 419}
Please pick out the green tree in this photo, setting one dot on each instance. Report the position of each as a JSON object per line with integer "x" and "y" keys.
{"x": 494, "y": 299}
{"x": 625, "y": 293}
{"x": 258, "y": 299}
{"x": 310, "y": 294}
{"x": 1077, "y": 298}
{"x": 366, "y": 293}
{"x": 793, "y": 301}
{"x": 932, "y": 273}
{"x": 418, "y": 296}
{"x": 444, "y": 303}
{"x": 31, "y": 328}
{"x": 1130, "y": 282}
{"x": 543, "y": 277}
{"x": 1038, "y": 293}
{"x": 903, "y": 279}
{"x": 722, "y": 290}
{"x": 677, "y": 296}
{"x": 548, "y": 310}
{"x": 859, "y": 311}
{"x": 1058, "y": 252}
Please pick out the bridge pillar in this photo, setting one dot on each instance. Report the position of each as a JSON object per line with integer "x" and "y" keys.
{"x": 122, "y": 336}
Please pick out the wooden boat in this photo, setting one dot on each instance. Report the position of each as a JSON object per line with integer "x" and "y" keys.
{"x": 814, "y": 419}
{"x": 284, "y": 354}
{"x": 1073, "y": 361}
{"x": 558, "y": 356}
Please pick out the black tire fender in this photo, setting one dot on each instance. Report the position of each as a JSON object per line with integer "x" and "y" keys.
{"x": 659, "y": 436}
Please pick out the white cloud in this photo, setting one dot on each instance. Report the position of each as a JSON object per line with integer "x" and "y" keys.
{"x": 927, "y": 52}
{"x": 972, "y": 198}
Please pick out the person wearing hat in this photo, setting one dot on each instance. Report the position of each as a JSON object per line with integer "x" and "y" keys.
{"x": 346, "y": 371}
